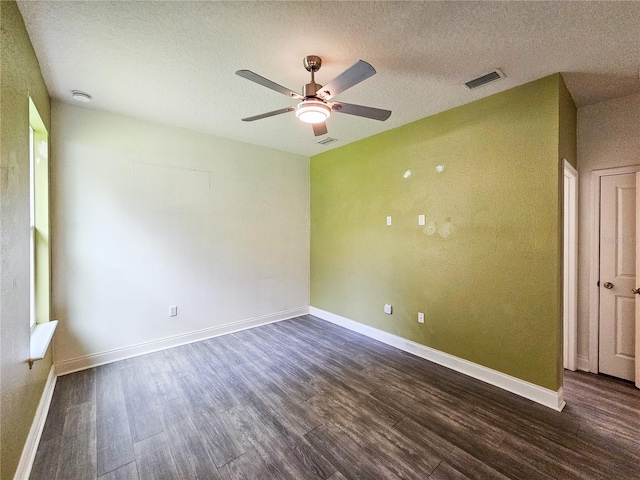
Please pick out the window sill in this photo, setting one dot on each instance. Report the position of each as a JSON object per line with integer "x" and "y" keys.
{"x": 41, "y": 336}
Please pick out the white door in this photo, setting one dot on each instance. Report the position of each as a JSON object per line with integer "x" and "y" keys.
{"x": 617, "y": 275}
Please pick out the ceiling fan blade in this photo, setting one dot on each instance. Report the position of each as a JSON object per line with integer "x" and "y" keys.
{"x": 319, "y": 129}
{"x": 353, "y": 75}
{"x": 254, "y": 77}
{"x": 361, "y": 111}
{"x": 269, "y": 114}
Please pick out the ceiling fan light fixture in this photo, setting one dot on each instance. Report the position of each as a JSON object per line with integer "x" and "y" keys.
{"x": 313, "y": 111}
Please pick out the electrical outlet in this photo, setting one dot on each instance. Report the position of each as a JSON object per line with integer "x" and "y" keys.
{"x": 388, "y": 309}
{"x": 389, "y": 220}
{"x": 173, "y": 311}
{"x": 420, "y": 317}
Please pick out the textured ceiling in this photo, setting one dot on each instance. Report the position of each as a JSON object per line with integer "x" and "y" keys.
{"x": 174, "y": 62}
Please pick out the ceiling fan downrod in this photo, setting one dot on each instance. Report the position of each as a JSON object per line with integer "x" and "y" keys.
{"x": 312, "y": 63}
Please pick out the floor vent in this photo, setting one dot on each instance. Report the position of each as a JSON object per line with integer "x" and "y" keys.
{"x": 327, "y": 141}
{"x": 484, "y": 79}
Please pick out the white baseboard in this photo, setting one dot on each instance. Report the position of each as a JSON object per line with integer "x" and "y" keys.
{"x": 533, "y": 392}
{"x": 88, "y": 361}
{"x": 583, "y": 364}
{"x": 35, "y": 432}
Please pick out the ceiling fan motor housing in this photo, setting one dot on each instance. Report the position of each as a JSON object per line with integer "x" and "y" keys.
{"x": 310, "y": 89}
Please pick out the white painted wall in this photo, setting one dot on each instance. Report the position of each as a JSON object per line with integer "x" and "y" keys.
{"x": 146, "y": 216}
{"x": 608, "y": 137}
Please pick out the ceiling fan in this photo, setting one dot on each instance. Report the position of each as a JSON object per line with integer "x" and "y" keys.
{"x": 315, "y": 106}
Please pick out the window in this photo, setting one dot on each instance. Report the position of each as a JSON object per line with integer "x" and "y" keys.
{"x": 42, "y": 327}
{"x": 38, "y": 218}
{"x": 32, "y": 231}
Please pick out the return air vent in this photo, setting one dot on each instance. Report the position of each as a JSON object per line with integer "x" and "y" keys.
{"x": 327, "y": 141}
{"x": 484, "y": 79}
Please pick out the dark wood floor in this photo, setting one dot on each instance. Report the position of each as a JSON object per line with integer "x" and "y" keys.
{"x": 305, "y": 399}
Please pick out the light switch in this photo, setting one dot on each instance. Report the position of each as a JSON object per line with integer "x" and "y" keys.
{"x": 173, "y": 311}
{"x": 389, "y": 220}
{"x": 421, "y": 220}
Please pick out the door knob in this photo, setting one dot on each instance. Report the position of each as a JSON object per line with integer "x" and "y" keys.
{"x": 609, "y": 285}
{"x": 636, "y": 291}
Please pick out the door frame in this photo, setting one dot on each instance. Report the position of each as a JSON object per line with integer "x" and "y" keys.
{"x": 594, "y": 261}
{"x": 570, "y": 268}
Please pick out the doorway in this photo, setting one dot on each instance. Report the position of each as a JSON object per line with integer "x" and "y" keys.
{"x": 616, "y": 342}
{"x": 612, "y": 328}
{"x": 570, "y": 268}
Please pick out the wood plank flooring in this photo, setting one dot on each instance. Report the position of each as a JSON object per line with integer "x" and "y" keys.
{"x": 305, "y": 399}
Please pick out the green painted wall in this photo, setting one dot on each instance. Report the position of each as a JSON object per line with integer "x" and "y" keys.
{"x": 568, "y": 125}
{"x": 567, "y": 148}
{"x": 485, "y": 269}
{"x": 20, "y": 387}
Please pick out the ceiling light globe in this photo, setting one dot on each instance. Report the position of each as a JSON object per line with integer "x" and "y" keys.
{"x": 312, "y": 111}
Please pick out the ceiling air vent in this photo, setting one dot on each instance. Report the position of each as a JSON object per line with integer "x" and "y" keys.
{"x": 484, "y": 79}
{"x": 327, "y": 141}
